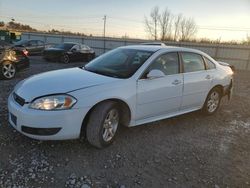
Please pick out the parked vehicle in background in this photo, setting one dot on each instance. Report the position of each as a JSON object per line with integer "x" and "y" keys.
{"x": 68, "y": 52}
{"x": 34, "y": 47}
{"x": 154, "y": 44}
{"x": 128, "y": 86}
{"x": 12, "y": 60}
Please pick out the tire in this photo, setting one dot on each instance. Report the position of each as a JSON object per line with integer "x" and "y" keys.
{"x": 96, "y": 133}
{"x": 212, "y": 102}
{"x": 8, "y": 70}
{"x": 65, "y": 58}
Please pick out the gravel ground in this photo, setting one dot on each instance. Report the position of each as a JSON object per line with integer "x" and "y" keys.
{"x": 186, "y": 151}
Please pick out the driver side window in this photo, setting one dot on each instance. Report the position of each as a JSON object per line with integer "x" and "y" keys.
{"x": 167, "y": 63}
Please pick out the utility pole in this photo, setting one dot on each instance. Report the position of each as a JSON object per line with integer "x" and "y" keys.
{"x": 104, "y": 33}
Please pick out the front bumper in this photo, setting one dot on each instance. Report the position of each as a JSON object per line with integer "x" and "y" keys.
{"x": 228, "y": 90}
{"x": 40, "y": 125}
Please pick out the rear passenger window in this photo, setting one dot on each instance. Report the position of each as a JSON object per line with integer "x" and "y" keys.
{"x": 167, "y": 63}
{"x": 192, "y": 62}
{"x": 209, "y": 64}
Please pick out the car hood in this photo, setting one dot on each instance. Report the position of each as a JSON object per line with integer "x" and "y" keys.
{"x": 58, "y": 82}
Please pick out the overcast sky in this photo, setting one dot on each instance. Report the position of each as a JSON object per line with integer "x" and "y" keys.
{"x": 225, "y": 19}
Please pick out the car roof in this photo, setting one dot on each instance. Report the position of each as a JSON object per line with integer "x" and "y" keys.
{"x": 155, "y": 48}
{"x": 154, "y": 43}
{"x": 75, "y": 43}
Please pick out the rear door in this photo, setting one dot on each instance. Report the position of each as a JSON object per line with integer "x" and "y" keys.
{"x": 197, "y": 81}
{"x": 160, "y": 96}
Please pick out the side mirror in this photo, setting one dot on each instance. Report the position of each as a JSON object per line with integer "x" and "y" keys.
{"x": 153, "y": 74}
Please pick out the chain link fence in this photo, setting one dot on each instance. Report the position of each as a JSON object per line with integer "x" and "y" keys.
{"x": 237, "y": 55}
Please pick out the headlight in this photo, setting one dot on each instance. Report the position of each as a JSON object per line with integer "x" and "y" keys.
{"x": 53, "y": 102}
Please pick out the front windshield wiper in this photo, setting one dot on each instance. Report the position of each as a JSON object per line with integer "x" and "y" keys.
{"x": 101, "y": 73}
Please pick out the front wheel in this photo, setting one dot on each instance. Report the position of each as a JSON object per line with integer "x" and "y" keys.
{"x": 212, "y": 102}
{"x": 8, "y": 70}
{"x": 103, "y": 124}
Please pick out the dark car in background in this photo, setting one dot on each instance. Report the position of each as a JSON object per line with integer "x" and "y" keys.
{"x": 69, "y": 52}
{"x": 12, "y": 60}
{"x": 34, "y": 47}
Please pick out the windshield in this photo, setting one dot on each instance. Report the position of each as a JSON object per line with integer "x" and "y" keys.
{"x": 64, "y": 46}
{"x": 119, "y": 63}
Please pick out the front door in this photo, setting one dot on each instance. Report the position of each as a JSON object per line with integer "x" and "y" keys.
{"x": 160, "y": 96}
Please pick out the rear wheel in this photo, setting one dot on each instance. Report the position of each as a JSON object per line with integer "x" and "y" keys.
{"x": 65, "y": 58}
{"x": 212, "y": 102}
{"x": 8, "y": 70}
{"x": 103, "y": 124}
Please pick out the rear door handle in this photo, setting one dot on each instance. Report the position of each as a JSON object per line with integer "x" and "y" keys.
{"x": 208, "y": 77}
{"x": 176, "y": 82}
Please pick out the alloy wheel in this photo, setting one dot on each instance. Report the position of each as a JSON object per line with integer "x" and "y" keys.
{"x": 110, "y": 125}
{"x": 65, "y": 58}
{"x": 8, "y": 71}
{"x": 213, "y": 101}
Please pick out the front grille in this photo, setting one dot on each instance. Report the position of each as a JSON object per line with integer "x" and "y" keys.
{"x": 18, "y": 99}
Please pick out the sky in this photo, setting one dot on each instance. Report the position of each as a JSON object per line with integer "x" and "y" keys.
{"x": 224, "y": 20}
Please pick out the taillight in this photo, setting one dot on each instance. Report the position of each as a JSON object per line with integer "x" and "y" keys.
{"x": 25, "y": 52}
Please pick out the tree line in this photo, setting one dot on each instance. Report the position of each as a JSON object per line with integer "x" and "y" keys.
{"x": 17, "y": 26}
{"x": 167, "y": 26}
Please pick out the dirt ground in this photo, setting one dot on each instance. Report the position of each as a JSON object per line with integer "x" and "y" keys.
{"x": 191, "y": 150}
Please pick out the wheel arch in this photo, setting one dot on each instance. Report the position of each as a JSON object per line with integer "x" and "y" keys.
{"x": 220, "y": 87}
{"x": 8, "y": 61}
{"x": 125, "y": 110}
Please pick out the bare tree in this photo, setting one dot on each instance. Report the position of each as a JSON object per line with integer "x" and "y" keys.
{"x": 177, "y": 26}
{"x": 152, "y": 23}
{"x": 169, "y": 26}
{"x": 188, "y": 28}
{"x": 165, "y": 20}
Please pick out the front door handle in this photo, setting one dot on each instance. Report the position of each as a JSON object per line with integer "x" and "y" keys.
{"x": 176, "y": 82}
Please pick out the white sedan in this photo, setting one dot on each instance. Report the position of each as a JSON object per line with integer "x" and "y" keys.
{"x": 128, "y": 86}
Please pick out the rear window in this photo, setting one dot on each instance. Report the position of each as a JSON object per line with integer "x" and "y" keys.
{"x": 192, "y": 62}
